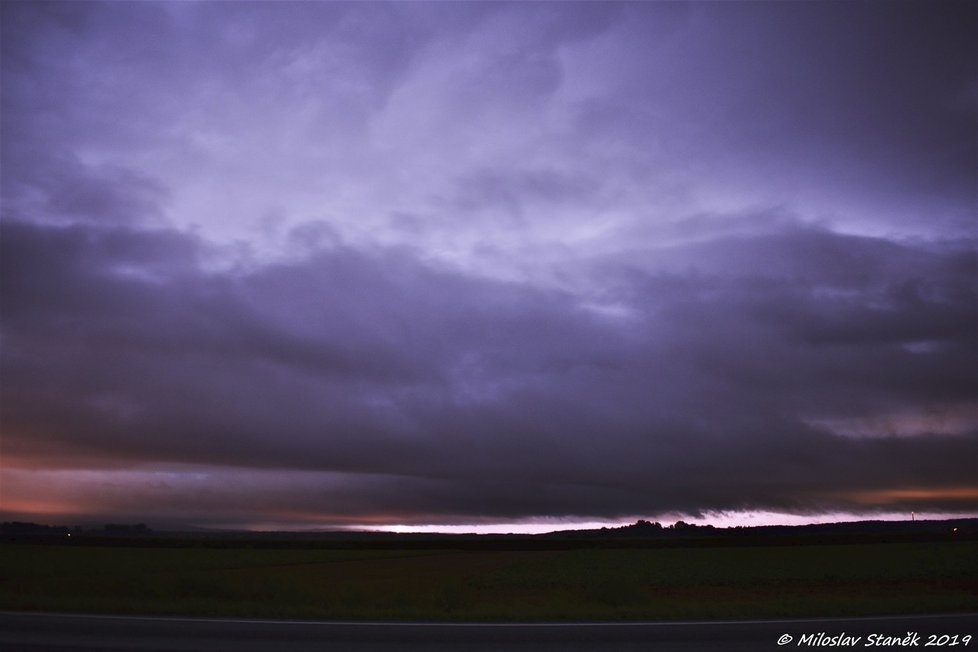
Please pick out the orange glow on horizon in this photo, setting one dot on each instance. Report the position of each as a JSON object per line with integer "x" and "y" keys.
{"x": 885, "y": 496}
{"x": 210, "y": 498}
{"x": 39, "y": 507}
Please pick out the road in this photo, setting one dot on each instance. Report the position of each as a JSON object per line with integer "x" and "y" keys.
{"x": 27, "y": 632}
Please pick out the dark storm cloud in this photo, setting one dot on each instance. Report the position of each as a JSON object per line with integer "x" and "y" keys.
{"x": 444, "y": 395}
{"x": 345, "y": 262}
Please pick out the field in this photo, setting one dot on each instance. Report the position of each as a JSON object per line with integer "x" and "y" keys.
{"x": 480, "y": 584}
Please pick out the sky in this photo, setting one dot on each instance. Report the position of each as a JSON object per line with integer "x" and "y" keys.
{"x": 487, "y": 265}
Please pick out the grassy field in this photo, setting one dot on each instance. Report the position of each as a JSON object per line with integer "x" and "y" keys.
{"x": 588, "y": 584}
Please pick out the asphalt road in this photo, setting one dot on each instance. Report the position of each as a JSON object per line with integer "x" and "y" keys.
{"x": 26, "y": 632}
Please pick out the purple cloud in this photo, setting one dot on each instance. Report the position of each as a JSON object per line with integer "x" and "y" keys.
{"x": 335, "y": 264}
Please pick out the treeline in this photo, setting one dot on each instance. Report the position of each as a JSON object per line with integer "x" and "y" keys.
{"x": 645, "y": 529}
{"x": 639, "y": 530}
{"x": 20, "y": 528}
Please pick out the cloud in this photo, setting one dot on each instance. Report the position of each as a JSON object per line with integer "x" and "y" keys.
{"x": 434, "y": 394}
{"x": 487, "y": 261}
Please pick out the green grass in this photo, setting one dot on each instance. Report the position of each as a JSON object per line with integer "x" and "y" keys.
{"x": 589, "y": 584}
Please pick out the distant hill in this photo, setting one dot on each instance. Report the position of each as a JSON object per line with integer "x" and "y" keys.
{"x": 15, "y": 528}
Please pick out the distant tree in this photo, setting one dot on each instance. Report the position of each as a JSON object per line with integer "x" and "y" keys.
{"x": 14, "y": 528}
{"x": 126, "y": 529}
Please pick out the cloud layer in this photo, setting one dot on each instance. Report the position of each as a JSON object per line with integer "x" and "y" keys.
{"x": 337, "y": 264}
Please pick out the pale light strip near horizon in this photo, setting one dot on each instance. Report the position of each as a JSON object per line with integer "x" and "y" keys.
{"x": 745, "y": 519}
{"x": 731, "y": 520}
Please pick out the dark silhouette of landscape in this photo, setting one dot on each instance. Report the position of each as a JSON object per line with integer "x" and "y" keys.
{"x": 642, "y": 533}
{"x": 640, "y": 572}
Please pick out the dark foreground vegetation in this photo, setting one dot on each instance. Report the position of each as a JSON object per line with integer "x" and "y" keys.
{"x": 635, "y": 573}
